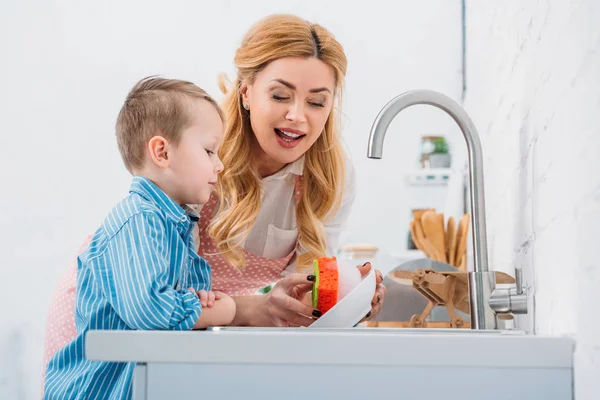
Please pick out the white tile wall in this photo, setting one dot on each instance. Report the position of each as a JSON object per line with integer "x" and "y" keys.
{"x": 533, "y": 90}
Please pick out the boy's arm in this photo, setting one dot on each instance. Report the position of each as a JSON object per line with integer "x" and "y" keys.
{"x": 134, "y": 279}
{"x": 220, "y": 314}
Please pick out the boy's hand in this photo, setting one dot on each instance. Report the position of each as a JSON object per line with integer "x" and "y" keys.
{"x": 220, "y": 313}
{"x": 207, "y": 298}
{"x": 219, "y": 295}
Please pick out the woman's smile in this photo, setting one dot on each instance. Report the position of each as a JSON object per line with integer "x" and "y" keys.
{"x": 288, "y": 138}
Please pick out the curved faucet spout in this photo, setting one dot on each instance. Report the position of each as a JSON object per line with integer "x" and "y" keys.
{"x": 477, "y": 201}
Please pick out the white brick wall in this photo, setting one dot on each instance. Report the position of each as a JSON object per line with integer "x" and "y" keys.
{"x": 533, "y": 91}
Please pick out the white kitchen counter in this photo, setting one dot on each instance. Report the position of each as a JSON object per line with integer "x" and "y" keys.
{"x": 347, "y": 363}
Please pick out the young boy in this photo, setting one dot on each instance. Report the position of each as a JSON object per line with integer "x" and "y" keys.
{"x": 141, "y": 270}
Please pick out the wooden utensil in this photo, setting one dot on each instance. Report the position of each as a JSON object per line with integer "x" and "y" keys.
{"x": 461, "y": 239}
{"x": 439, "y": 219}
{"x": 418, "y": 213}
{"x": 432, "y": 231}
{"x": 451, "y": 240}
{"x": 415, "y": 238}
{"x": 425, "y": 244}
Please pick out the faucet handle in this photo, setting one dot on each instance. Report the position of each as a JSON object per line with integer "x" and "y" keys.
{"x": 512, "y": 299}
{"x": 519, "y": 280}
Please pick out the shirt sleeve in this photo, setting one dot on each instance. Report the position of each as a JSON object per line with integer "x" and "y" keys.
{"x": 134, "y": 279}
{"x": 337, "y": 223}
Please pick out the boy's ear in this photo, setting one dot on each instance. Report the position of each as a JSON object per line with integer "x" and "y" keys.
{"x": 158, "y": 147}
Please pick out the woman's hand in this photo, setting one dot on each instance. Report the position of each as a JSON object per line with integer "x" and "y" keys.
{"x": 380, "y": 291}
{"x": 283, "y": 305}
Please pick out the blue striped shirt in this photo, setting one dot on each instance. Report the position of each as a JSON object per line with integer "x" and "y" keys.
{"x": 135, "y": 274}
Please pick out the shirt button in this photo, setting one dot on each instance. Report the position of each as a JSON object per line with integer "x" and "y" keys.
{"x": 183, "y": 219}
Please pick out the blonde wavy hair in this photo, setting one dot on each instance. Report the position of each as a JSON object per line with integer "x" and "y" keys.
{"x": 239, "y": 188}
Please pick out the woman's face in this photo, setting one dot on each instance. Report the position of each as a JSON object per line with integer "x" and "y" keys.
{"x": 289, "y": 103}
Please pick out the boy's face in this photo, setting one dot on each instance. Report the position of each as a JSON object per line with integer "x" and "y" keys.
{"x": 194, "y": 162}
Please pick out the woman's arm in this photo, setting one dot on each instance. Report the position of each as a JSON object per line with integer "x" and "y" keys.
{"x": 245, "y": 310}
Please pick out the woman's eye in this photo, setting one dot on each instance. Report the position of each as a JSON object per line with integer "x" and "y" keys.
{"x": 317, "y": 104}
{"x": 209, "y": 152}
{"x": 279, "y": 98}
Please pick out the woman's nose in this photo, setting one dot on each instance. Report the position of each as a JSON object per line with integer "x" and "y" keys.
{"x": 219, "y": 166}
{"x": 296, "y": 113}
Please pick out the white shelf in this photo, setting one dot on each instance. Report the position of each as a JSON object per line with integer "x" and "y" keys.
{"x": 430, "y": 176}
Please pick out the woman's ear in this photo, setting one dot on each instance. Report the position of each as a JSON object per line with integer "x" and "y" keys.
{"x": 245, "y": 98}
{"x": 158, "y": 148}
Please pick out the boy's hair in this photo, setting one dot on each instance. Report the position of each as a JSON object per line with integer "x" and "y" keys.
{"x": 155, "y": 106}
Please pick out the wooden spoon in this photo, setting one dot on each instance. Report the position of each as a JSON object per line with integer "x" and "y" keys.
{"x": 461, "y": 239}
{"x": 451, "y": 240}
{"x": 432, "y": 231}
{"x": 427, "y": 247}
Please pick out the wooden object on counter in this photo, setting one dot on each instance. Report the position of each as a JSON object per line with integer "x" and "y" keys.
{"x": 407, "y": 324}
{"x": 438, "y": 289}
{"x": 448, "y": 289}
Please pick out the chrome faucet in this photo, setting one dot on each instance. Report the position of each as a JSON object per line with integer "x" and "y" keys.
{"x": 484, "y": 300}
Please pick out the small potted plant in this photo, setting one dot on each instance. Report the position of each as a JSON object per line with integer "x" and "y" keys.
{"x": 440, "y": 156}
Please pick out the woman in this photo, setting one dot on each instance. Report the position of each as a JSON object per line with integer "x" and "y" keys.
{"x": 287, "y": 188}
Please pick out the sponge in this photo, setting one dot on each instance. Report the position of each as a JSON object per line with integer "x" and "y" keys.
{"x": 326, "y": 285}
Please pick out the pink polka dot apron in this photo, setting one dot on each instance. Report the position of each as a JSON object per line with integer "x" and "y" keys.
{"x": 259, "y": 271}
{"x": 60, "y": 326}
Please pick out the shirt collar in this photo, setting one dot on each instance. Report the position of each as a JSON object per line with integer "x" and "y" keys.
{"x": 180, "y": 216}
{"x": 293, "y": 168}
